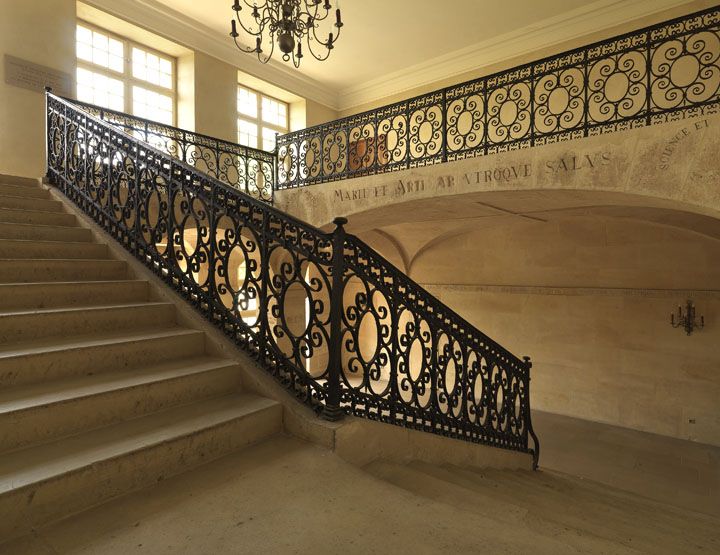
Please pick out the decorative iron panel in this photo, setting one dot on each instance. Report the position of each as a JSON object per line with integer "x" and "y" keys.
{"x": 665, "y": 72}
{"x": 327, "y": 316}
{"x": 246, "y": 169}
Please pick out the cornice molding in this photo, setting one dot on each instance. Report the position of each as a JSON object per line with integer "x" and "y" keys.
{"x": 595, "y": 16}
{"x": 177, "y": 27}
{"x": 574, "y": 291}
{"x": 174, "y": 26}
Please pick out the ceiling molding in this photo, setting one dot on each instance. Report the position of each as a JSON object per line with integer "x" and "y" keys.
{"x": 177, "y": 27}
{"x": 595, "y": 16}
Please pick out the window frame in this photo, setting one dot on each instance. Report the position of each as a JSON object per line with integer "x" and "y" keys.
{"x": 126, "y": 76}
{"x": 258, "y": 121}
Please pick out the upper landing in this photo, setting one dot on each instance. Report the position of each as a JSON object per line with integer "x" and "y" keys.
{"x": 634, "y": 116}
{"x": 672, "y": 166}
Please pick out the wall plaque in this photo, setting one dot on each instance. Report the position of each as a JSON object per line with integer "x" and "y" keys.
{"x": 27, "y": 75}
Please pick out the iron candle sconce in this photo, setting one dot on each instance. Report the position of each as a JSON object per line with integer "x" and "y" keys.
{"x": 687, "y": 320}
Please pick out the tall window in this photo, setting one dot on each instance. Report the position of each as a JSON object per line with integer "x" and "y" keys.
{"x": 259, "y": 118}
{"x": 116, "y": 73}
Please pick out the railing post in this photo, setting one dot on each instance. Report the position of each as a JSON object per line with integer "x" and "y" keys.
{"x": 48, "y": 91}
{"x": 264, "y": 332}
{"x": 528, "y": 418}
{"x": 444, "y": 110}
{"x": 332, "y": 410}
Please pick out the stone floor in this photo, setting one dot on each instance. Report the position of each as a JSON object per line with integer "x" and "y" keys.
{"x": 286, "y": 496}
{"x": 683, "y": 473}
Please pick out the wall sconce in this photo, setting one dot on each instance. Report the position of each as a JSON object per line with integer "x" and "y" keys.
{"x": 687, "y": 320}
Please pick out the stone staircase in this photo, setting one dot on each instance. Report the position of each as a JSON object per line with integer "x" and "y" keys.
{"x": 101, "y": 392}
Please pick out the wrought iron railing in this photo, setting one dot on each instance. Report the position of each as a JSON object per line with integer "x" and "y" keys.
{"x": 666, "y": 71}
{"x": 325, "y": 314}
{"x": 247, "y": 169}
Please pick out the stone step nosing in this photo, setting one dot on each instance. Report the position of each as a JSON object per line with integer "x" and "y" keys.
{"x": 80, "y": 309}
{"x": 154, "y": 375}
{"x": 71, "y": 344}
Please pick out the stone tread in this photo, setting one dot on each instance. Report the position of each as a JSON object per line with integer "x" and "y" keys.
{"x": 43, "y": 249}
{"x": 49, "y": 393}
{"x": 54, "y": 205}
{"x": 52, "y": 230}
{"x": 77, "y": 309}
{"x": 34, "y": 465}
{"x": 56, "y": 289}
{"x": 79, "y": 342}
{"x": 24, "y": 191}
{"x": 11, "y": 215}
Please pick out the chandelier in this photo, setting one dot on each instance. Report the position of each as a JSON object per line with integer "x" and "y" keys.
{"x": 290, "y": 23}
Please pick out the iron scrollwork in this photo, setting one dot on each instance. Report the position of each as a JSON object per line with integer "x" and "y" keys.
{"x": 667, "y": 71}
{"x": 246, "y": 169}
{"x": 327, "y": 316}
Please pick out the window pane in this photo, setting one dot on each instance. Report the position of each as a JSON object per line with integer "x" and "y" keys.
{"x": 247, "y": 133}
{"x": 84, "y": 43}
{"x": 151, "y": 68}
{"x": 247, "y": 102}
{"x": 151, "y": 105}
{"x": 99, "y": 89}
{"x": 268, "y": 139}
{"x": 99, "y": 49}
{"x": 274, "y": 112}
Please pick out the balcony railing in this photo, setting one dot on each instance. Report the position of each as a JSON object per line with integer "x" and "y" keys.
{"x": 326, "y": 315}
{"x": 246, "y": 169}
{"x": 653, "y": 75}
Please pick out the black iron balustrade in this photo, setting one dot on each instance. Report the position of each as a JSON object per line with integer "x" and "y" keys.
{"x": 244, "y": 168}
{"x": 653, "y": 75}
{"x": 326, "y": 315}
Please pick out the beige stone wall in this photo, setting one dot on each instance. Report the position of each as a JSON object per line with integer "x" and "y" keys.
{"x": 608, "y": 356}
{"x": 215, "y": 98}
{"x": 41, "y": 32}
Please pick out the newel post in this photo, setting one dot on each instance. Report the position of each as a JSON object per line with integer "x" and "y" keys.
{"x": 528, "y": 419}
{"x": 48, "y": 92}
{"x": 332, "y": 410}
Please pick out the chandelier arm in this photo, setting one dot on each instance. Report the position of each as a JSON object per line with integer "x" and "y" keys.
{"x": 261, "y": 25}
{"x": 319, "y": 58}
{"x": 243, "y": 48}
{"x": 272, "y": 49}
{"x": 253, "y": 4}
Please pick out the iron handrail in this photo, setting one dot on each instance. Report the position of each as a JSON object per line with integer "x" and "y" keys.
{"x": 305, "y": 303}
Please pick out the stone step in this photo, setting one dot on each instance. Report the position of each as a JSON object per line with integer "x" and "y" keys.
{"x": 44, "y": 483}
{"x": 36, "y": 217}
{"x": 24, "y": 203}
{"x": 48, "y": 411}
{"x": 23, "y": 248}
{"x": 66, "y": 294}
{"x": 44, "y": 270}
{"x": 17, "y": 180}
{"x": 86, "y": 355}
{"x": 26, "y": 191}
{"x": 28, "y": 325}
{"x": 35, "y": 232}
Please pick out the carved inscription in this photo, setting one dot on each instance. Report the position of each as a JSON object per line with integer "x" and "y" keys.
{"x": 27, "y": 75}
{"x": 491, "y": 176}
{"x": 676, "y": 139}
{"x": 575, "y": 163}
